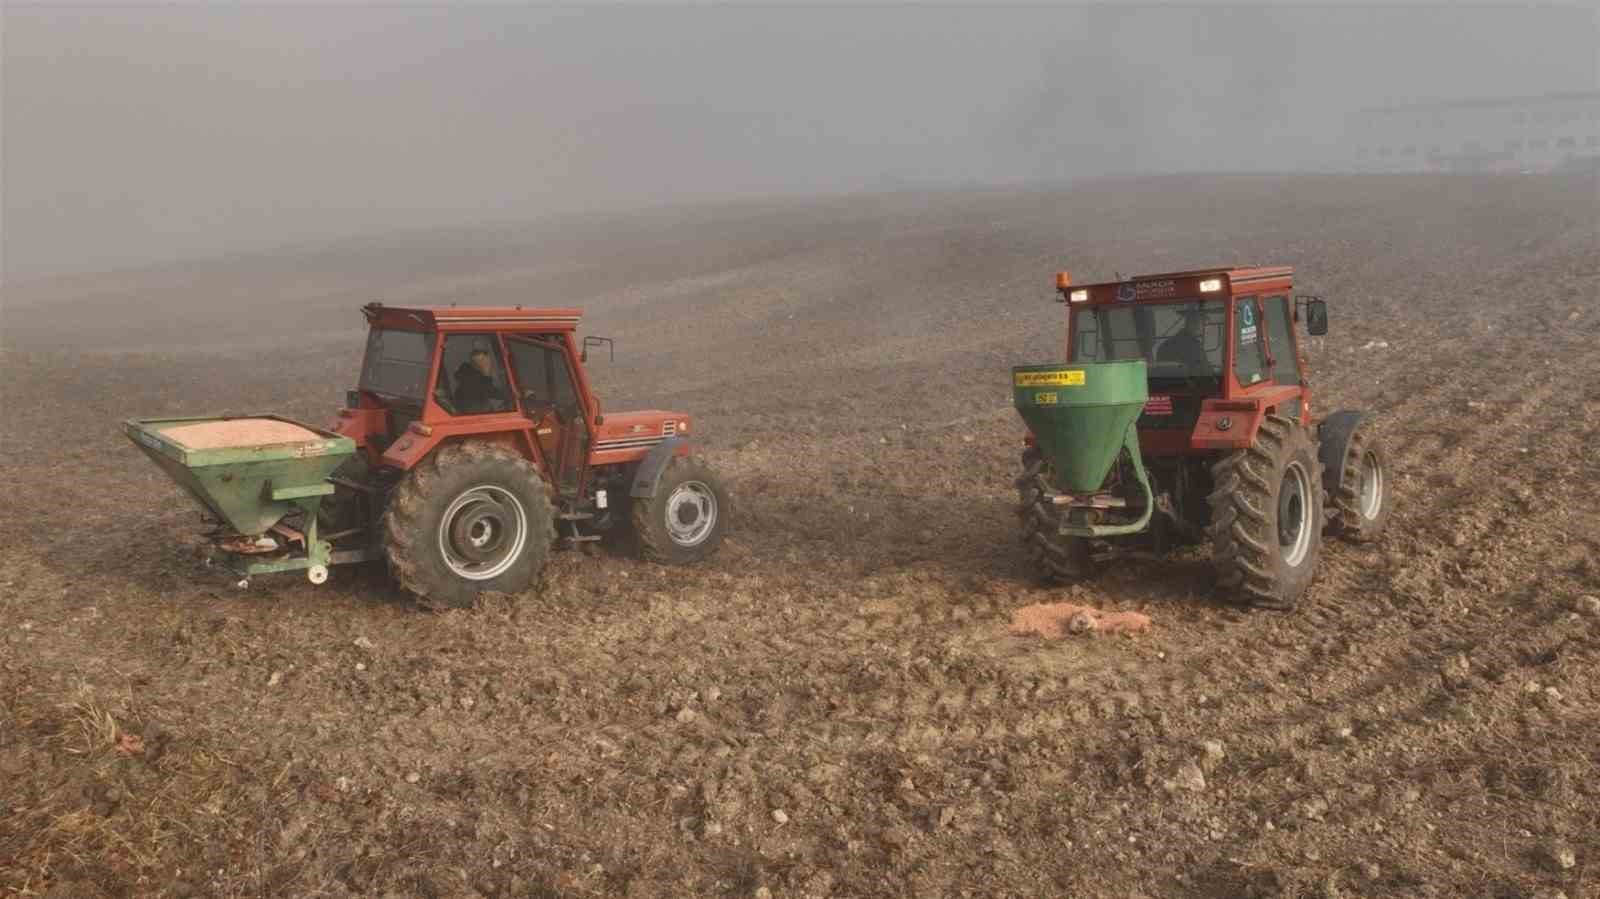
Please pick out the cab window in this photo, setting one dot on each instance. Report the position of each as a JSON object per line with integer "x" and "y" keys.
{"x": 540, "y": 364}
{"x": 472, "y": 376}
{"x": 1285, "y": 364}
{"x": 1249, "y": 350}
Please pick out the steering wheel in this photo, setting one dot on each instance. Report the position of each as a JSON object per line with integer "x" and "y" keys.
{"x": 537, "y": 408}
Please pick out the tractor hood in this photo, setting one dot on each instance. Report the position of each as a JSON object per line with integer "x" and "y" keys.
{"x": 643, "y": 429}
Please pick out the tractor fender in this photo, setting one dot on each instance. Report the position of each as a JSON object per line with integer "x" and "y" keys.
{"x": 648, "y": 474}
{"x": 1333, "y": 435}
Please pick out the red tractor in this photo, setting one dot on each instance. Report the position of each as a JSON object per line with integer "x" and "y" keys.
{"x": 1183, "y": 415}
{"x": 479, "y": 446}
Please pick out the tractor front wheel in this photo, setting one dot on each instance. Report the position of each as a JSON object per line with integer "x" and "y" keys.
{"x": 1361, "y": 498}
{"x": 471, "y": 518}
{"x": 1266, "y": 516}
{"x": 1055, "y": 557}
{"x": 685, "y": 520}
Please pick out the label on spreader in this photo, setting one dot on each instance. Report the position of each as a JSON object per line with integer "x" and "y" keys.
{"x": 1067, "y": 378}
{"x": 1045, "y": 398}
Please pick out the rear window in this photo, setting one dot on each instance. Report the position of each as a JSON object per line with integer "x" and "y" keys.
{"x": 397, "y": 363}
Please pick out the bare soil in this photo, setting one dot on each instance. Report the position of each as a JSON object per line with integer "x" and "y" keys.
{"x": 834, "y": 705}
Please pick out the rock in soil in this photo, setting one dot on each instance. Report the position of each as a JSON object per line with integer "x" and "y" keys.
{"x": 1190, "y": 777}
{"x": 1562, "y": 857}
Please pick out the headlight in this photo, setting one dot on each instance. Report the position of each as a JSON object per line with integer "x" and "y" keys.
{"x": 1080, "y": 296}
{"x": 1211, "y": 285}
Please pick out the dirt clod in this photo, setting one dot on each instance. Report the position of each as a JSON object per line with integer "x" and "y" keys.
{"x": 1456, "y": 671}
{"x": 1561, "y": 857}
{"x": 1314, "y": 809}
{"x": 1190, "y": 777}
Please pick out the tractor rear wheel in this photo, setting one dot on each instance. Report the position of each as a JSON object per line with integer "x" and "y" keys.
{"x": 1361, "y": 498}
{"x": 685, "y": 520}
{"x": 1266, "y": 516}
{"x": 1055, "y": 557}
{"x": 472, "y": 517}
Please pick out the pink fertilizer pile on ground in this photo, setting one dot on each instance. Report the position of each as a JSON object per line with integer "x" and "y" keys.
{"x": 1055, "y": 620}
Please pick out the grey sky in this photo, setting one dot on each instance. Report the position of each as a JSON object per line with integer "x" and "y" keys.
{"x": 137, "y": 134}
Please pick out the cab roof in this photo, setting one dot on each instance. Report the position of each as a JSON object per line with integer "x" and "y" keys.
{"x": 1235, "y": 274}
{"x": 472, "y": 318}
{"x": 1169, "y": 286}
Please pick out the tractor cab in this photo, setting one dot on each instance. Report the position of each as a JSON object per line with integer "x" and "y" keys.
{"x": 1208, "y": 338}
{"x": 433, "y": 373}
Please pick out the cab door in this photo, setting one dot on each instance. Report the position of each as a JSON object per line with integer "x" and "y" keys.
{"x": 1265, "y": 356}
{"x": 1281, "y": 345}
{"x": 546, "y": 393}
{"x": 1252, "y": 365}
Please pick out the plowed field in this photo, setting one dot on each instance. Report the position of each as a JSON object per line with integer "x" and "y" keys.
{"x": 833, "y": 706}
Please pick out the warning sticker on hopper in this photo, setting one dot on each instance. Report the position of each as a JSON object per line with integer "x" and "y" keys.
{"x": 1069, "y": 378}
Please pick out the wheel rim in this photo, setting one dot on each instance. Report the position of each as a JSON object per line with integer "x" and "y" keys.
{"x": 1294, "y": 515}
{"x": 482, "y": 533}
{"x": 1371, "y": 486}
{"x": 691, "y": 513}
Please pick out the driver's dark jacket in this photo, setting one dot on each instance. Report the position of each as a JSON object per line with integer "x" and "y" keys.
{"x": 476, "y": 391}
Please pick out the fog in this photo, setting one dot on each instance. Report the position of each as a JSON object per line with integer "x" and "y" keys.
{"x": 135, "y": 135}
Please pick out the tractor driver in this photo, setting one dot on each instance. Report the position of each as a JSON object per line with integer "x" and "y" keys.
{"x": 1187, "y": 347}
{"x": 475, "y": 387}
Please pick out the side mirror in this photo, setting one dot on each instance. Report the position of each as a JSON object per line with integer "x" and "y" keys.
{"x": 583, "y": 356}
{"x": 1316, "y": 318}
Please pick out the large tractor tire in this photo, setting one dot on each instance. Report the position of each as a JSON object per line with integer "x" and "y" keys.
{"x": 1360, "y": 501}
{"x": 471, "y": 518}
{"x": 1266, "y": 516}
{"x": 1054, "y": 557}
{"x": 686, "y": 518}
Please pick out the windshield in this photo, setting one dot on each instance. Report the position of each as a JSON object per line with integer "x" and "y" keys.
{"x": 397, "y": 363}
{"x": 1179, "y": 341}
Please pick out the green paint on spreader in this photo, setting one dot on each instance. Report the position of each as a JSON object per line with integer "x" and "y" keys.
{"x": 1083, "y": 416}
{"x": 249, "y": 487}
